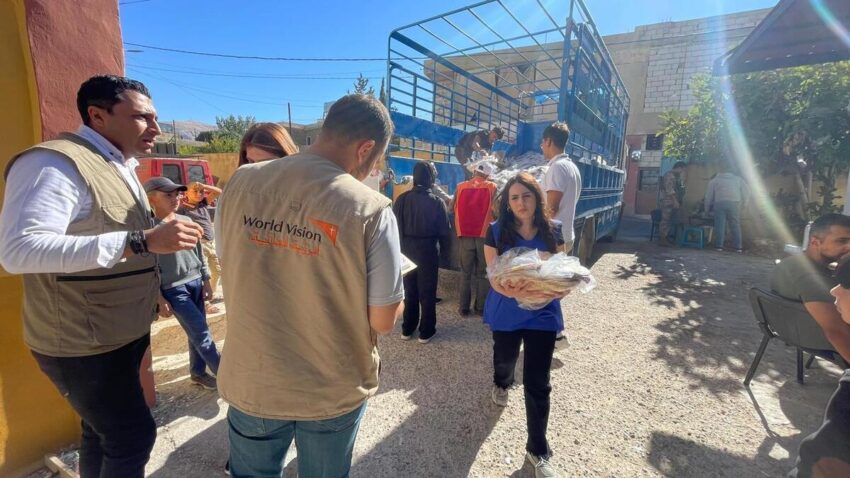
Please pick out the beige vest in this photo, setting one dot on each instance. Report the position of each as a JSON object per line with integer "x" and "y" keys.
{"x": 299, "y": 345}
{"x": 99, "y": 310}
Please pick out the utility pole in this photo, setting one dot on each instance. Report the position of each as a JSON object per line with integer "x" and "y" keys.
{"x": 174, "y": 132}
{"x": 289, "y": 110}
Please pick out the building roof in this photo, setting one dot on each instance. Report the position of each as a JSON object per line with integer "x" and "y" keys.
{"x": 794, "y": 33}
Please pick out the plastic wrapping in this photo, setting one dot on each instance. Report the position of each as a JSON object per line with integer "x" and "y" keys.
{"x": 540, "y": 272}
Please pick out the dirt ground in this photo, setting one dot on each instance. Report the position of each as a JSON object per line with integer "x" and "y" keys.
{"x": 650, "y": 386}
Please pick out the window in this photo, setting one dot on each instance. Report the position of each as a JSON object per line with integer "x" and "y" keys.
{"x": 196, "y": 174}
{"x": 309, "y": 140}
{"x": 654, "y": 142}
{"x": 648, "y": 180}
{"x": 172, "y": 172}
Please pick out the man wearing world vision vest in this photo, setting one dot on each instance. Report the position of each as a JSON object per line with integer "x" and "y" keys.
{"x": 312, "y": 274}
{"x": 77, "y": 224}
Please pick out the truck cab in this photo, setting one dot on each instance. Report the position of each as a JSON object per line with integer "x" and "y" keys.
{"x": 179, "y": 170}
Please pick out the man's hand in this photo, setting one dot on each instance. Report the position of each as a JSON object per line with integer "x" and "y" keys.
{"x": 173, "y": 236}
{"x": 164, "y": 308}
{"x": 208, "y": 290}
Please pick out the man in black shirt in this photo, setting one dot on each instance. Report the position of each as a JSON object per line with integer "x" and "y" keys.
{"x": 477, "y": 141}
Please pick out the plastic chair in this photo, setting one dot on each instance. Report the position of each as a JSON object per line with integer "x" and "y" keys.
{"x": 692, "y": 236}
{"x": 788, "y": 321}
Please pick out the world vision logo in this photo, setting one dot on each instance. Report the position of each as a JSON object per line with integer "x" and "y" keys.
{"x": 331, "y": 230}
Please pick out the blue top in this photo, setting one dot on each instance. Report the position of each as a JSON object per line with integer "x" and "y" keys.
{"x": 504, "y": 314}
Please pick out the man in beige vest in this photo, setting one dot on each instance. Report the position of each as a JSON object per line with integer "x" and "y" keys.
{"x": 77, "y": 224}
{"x": 312, "y": 274}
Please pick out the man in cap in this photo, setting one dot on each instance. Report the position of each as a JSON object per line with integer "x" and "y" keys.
{"x": 473, "y": 208}
{"x": 76, "y": 222}
{"x": 185, "y": 285}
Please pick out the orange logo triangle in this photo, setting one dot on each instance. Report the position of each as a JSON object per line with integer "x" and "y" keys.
{"x": 332, "y": 230}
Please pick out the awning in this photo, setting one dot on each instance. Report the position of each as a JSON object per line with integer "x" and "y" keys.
{"x": 794, "y": 33}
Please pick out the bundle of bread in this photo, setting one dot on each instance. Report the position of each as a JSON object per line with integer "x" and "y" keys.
{"x": 539, "y": 274}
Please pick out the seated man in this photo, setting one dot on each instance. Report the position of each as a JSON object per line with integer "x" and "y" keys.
{"x": 806, "y": 277}
{"x": 825, "y": 453}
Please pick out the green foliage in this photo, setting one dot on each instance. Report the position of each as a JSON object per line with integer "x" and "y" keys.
{"x": 361, "y": 86}
{"x": 222, "y": 144}
{"x": 783, "y": 115}
{"x": 233, "y": 126}
{"x": 205, "y": 136}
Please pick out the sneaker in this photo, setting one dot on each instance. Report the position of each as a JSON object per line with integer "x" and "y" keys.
{"x": 499, "y": 396}
{"x": 542, "y": 467}
{"x": 227, "y": 468}
{"x": 206, "y": 381}
{"x": 423, "y": 340}
{"x": 560, "y": 335}
{"x": 406, "y": 337}
{"x": 739, "y": 251}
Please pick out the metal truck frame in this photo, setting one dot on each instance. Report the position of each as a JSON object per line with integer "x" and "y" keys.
{"x": 511, "y": 63}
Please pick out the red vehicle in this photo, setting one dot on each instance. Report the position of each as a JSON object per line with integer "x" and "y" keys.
{"x": 179, "y": 170}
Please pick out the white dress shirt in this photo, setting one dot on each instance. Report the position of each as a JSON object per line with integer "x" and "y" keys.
{"x": 44, "y": 195}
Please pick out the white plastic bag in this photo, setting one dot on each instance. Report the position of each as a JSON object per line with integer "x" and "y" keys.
{"x": 556, "y": 274}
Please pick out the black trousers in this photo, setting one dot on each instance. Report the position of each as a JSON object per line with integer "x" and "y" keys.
{"x": 539, "y": 346}
{"x": 104, "y": 389}
{"x": 420, "y": 287}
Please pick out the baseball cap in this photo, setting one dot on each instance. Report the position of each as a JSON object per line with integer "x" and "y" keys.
{"x": 160, "y": 183}
{"x": 487, "y": 169}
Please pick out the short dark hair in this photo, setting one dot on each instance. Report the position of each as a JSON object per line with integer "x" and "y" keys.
{"x": 680, "y": 164}
{"x": 821, "y": 225}
{"x": 500, "y": 133}
{"x": 103, "y": 91}
{"x": 357, "y": 117}
{"x": 558, "y": 133}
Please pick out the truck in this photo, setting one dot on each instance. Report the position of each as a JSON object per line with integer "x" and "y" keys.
{"x": 181, "y": 170}
{"x": 520, "y": 65}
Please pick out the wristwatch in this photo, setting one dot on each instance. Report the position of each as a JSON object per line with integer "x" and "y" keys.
{"x": 137, "y": 242}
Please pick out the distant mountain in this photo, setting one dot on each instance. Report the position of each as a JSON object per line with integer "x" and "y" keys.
{"x": 186, "y": 129}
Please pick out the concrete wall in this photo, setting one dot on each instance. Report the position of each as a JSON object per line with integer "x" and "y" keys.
{"x": 658, "y": 61}
{"x": 46, "y": 51}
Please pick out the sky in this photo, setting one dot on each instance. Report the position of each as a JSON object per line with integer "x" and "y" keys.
{"x": 199, "y": 87}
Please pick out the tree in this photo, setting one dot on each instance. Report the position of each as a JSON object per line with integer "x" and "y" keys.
{"x": 793, "y": 121}
{"x": 234, "y": 126}
{"x": 361, "y": 86}
{"x": 205, "y": 136}
{"x": 382, "y": 94}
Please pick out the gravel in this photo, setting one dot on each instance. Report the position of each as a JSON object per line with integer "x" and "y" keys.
{"x": 650, "y": 386}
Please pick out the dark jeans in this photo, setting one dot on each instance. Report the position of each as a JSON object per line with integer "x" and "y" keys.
{"x": 104, "y": 389}
{"x": 420, "y": 287}
{"x": 187, "y": 302}
{"x": 539, "y": 346}
{"x": 473, "y": 273}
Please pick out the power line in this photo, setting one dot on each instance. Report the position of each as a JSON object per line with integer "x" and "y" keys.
{"x": 301, "y": 72}
{"x": 249, "y": 57}
{"x": 133, "y": 1}
{"x": 187, "y": 88}
{"x": 255, "y": 76}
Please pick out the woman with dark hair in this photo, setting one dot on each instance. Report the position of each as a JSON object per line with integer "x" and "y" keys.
{"x": 422, "y": 223}
{"x": 265, "y": 141}
{"x": 524, "y": 222}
